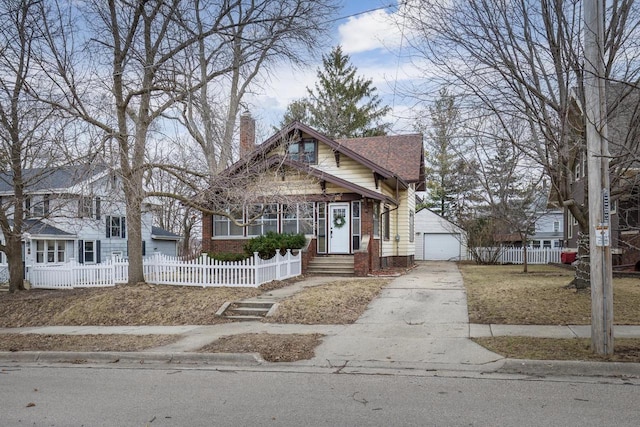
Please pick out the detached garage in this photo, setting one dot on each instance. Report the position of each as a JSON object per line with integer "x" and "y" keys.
{"x": 438, "y": 239}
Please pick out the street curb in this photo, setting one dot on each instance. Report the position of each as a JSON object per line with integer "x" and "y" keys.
{"x": 570, "y": 368}
{"x": 237, "y": 359}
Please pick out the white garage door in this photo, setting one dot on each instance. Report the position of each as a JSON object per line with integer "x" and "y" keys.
{"x": 445, "y": 246}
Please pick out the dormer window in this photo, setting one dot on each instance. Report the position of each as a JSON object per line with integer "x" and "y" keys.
{"x": 304, "y": 151}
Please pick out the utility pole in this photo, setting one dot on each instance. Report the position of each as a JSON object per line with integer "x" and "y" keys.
{"x": 598, "y": 180}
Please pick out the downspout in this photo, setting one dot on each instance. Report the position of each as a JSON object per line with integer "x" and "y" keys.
{"x": 397, "y": 236}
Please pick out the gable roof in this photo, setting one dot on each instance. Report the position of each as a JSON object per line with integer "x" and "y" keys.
{"x": 39, "y": 228}
{"x": 162, "y": 234}
{"x": 41, "y": 179}
{"x": 401, "y": 154}
{"x": 403, "y": 157}
{"x": 325, "y": 176}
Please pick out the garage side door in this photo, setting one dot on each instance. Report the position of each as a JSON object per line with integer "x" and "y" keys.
{"x": 441, "y": 246}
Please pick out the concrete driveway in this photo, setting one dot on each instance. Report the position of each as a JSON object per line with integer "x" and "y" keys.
{"x": 419, "y": 318}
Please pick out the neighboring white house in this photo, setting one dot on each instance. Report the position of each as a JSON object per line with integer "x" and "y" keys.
{"x": 437, "y": 238}
{"x": 548, "y": 230}
{"x": 79, "y": 212}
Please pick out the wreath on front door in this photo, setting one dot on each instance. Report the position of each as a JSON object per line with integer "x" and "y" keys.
{"x": 339, "y": 221}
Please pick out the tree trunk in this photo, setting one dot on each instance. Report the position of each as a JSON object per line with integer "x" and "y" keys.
{"x": 16, "y": 267}
{"x": 582, "y": 277}
{"x": 132, "y": 193}
{"x": 525, "y": 265}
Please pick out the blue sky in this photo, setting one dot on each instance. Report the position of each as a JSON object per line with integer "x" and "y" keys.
{"x": 373, "y": 42}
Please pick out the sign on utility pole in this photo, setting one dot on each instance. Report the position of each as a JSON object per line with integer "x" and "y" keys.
{"x": 598, "y": 180}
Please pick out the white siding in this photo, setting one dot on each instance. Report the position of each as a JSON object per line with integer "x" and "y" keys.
{"x": 428, "y": 222}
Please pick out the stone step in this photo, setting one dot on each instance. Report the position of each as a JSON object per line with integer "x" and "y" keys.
{"x": 349, "y": 271}
{"x": 247, "y": 310}
{"x": 245, "y": 318}
{"x": 334, "y": 265}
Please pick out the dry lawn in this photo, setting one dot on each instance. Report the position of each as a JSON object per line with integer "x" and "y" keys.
{"x": 272, "y": 347}
{"x": 337, "y": 303}
{"x": 41, "y": 342}
{"x": 626, "y": 350}
{"x": 341, "y": 302}
{"x": 117, "y": 306}
{"x": 505, "y": 295}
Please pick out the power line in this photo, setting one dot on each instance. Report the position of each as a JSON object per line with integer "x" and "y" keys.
{"x": 340, "y": 18}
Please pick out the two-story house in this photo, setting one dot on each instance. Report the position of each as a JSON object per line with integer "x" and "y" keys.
{"x": 623, "y": 126}
{"x": 79, "y": 212}
{"x": 350, "y": 197}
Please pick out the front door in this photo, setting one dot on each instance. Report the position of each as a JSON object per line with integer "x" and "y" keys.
{"x": 339, "y": 230}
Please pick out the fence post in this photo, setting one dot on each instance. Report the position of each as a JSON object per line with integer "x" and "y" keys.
{"x": 256, "y": 278}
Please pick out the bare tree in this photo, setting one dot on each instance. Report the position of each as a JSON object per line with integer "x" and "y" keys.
{"x": 31, "y": 132}
{"x": 130, "y": 74}
{"x": 523, "y": 60}
{"x": 259, "y": 36}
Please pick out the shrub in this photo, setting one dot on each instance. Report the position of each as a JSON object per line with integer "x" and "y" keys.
{"x": 267, "y": 245}
{"x": 227, "y": 256}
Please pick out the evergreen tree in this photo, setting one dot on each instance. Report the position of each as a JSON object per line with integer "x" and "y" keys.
{"x": 341, "y": 105}
{"x": 297, "y": 110}
{"x": 450, "y": 182}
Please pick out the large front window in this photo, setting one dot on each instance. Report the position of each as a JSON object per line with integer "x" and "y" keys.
{"x": 286, "y": 218}
{"x": 225, "y": 226}
{"x": 297, "y": 218}
{"x": 265, "y": 219}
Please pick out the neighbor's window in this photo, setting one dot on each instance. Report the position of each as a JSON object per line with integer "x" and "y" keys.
{"x": 304, "y": 151}
{"x": 89, "y": 251}
{"x": 50, "y": 251}
{"x": 115, "y": 226}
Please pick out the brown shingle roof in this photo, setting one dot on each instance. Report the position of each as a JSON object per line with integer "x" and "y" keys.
{"x": 400, "y": 154}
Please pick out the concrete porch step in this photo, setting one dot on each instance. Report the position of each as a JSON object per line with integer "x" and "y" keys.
{"x": 247, "y": 310}
{"x": 338, "y": 265}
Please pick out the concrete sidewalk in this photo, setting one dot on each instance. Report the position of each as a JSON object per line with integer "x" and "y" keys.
{"x": 419, "y": 321}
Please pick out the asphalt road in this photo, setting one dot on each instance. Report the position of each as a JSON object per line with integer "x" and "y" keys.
{"x": 69, "y": 395}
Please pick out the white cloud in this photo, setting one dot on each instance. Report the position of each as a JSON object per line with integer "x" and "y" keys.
{"x": 370, "y": 31}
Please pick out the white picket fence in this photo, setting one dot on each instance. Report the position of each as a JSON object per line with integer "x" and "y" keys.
{"x": 161, "y": 269}
{"x": 509, "y": 255}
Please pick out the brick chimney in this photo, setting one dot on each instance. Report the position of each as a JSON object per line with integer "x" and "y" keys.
{"x": 247, "y": 134}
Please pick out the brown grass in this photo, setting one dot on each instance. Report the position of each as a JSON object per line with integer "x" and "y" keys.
{"x": 626, "y": 350}
{"x": 333, "y": 304}
{"x": 272, "y": 347}
{"x": 505, "y": 295}
{"x": 121, "y": 305}
{"x": 42, "y": 342}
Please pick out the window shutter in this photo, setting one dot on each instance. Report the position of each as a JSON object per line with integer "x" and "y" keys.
{"x": 144, "y": 248}
{"x": 97, "y": 207}
{"x": 81, "y": 251}
{"x": 98, "y": 254}
{"x": 123, "y": 228}
{"x": 27, "y": 206}
{"x": 108, "y": 222}
{"x": 46, "y": 204}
